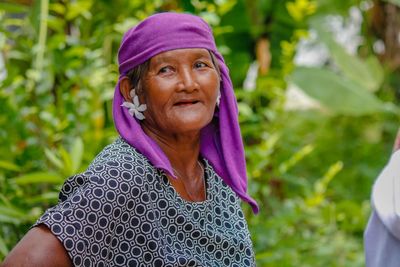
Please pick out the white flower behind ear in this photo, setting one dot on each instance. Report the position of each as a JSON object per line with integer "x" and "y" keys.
{"x": 135, "y": 108}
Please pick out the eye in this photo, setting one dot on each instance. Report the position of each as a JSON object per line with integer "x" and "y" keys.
{"x": 200, "y": 64}
{"x": 166, "y": 69}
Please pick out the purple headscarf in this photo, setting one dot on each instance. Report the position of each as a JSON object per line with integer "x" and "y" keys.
{"x": 220, "y": 144}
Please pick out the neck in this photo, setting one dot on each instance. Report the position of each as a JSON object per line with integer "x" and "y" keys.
{"x": 182, "y": 150}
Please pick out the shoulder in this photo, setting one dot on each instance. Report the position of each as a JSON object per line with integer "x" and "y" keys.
{"x": 121, "y": 152}
{"x": 118, "y": 168}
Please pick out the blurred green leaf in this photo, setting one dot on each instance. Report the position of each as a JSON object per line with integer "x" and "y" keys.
{"x": 335, "y": 92}
{"x": 295, "y": 158}
{"x": 335, "y": 7}
{"x": 77, "y": 8}
{"x": 368, "y": 75}
{"x": 38, "y": 178}
{"x": 9, "y": 166}
{"x": 321, "y": 185}
{"x": 13, "y": 7}
{"x": 375, "y": 70}
{"x": 3, "y": 247}
{"x": 54, "y": 159}
{"x": 45, "y": 197}
{"x": 11, "y": 215}
{"x": 67, "y": 161}
{"x": 76, "y": 154}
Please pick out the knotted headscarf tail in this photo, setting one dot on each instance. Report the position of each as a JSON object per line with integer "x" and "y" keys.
{"x": 220, "y": 144}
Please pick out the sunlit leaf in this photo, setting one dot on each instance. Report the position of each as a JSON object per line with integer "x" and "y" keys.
{"x": 9, "y": 166}
{"x": 295, "y": 158}
{"x": 321, "y": 185}
{"x": 58, "y": 8}
{"x": 12, "y": 7}
{"x": 78, "y": 8}
{"x": 38, "y": 178}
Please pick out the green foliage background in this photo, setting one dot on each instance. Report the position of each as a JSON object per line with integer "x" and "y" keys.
{"x": 311, "y": 171}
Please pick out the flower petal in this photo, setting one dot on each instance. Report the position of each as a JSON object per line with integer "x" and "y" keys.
{"x": 142, "y": 107}
{"x": 127, "y": 105}
{"x": 132, "y": 111}
{"x": 139, "y": 115}
{"x": 136, "y": 101}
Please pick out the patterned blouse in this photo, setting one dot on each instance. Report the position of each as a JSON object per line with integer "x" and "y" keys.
{"x": 124, "y": 212}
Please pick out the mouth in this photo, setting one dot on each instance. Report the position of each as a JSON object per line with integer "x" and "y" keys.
{"x": 184, "y": 103}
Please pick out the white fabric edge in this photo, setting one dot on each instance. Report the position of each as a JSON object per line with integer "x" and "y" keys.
{"x": 386, "y": 195}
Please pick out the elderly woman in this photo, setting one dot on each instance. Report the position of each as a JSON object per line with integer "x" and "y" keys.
{"x": 167, "y": 192}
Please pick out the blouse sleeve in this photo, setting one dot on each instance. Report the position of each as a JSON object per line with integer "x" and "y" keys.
{"x": 381, "y": 237}
{"x": 90, "y": 210}
{"x": 381, "y": 247}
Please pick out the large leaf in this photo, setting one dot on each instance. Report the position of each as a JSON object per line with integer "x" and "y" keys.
{"x": 368, "y": 74}
{"x": 38, "y": 178}
{"x": 338, "y": 94}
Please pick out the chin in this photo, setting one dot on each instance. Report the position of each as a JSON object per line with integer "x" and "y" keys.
{"x": 192, "y": 125}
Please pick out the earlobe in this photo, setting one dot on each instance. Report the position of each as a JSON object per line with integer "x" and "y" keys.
{"x": 125, "y": 87}
{"x": 218, "y": 99}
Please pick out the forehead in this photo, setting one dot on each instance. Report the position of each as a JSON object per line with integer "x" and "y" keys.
{"x": 184, "y": 53}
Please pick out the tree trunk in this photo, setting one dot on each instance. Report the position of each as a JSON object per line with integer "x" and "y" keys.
{"x": 385, "y": 25}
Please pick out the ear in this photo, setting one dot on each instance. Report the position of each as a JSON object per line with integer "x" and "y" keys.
{"x": 125, "y": 87}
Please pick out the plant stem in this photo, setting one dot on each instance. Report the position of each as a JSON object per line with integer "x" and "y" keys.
{"x": 44, "y": 12}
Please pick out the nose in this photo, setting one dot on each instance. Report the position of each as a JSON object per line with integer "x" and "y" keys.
{"x": 188, "y": 80}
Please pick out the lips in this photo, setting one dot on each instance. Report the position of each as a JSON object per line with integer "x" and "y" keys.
{"x": 186, "y": 102}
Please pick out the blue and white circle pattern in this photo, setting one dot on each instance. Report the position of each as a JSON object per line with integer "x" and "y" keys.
{"x": 124, "y": 212}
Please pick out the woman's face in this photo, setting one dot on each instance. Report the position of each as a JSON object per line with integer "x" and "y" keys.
{"x": 180, "y": 91}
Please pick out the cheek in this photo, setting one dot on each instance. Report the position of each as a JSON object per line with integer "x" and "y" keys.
{"x": 213, "y": 88}
{"x": 157, "y": 104}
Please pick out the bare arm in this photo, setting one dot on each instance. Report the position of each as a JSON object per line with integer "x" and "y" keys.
{"x": 40, "y": 248}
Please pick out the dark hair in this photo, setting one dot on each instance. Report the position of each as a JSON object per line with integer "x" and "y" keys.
{"x": 215, "y": 62}
{"x": 137, "y": 74}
